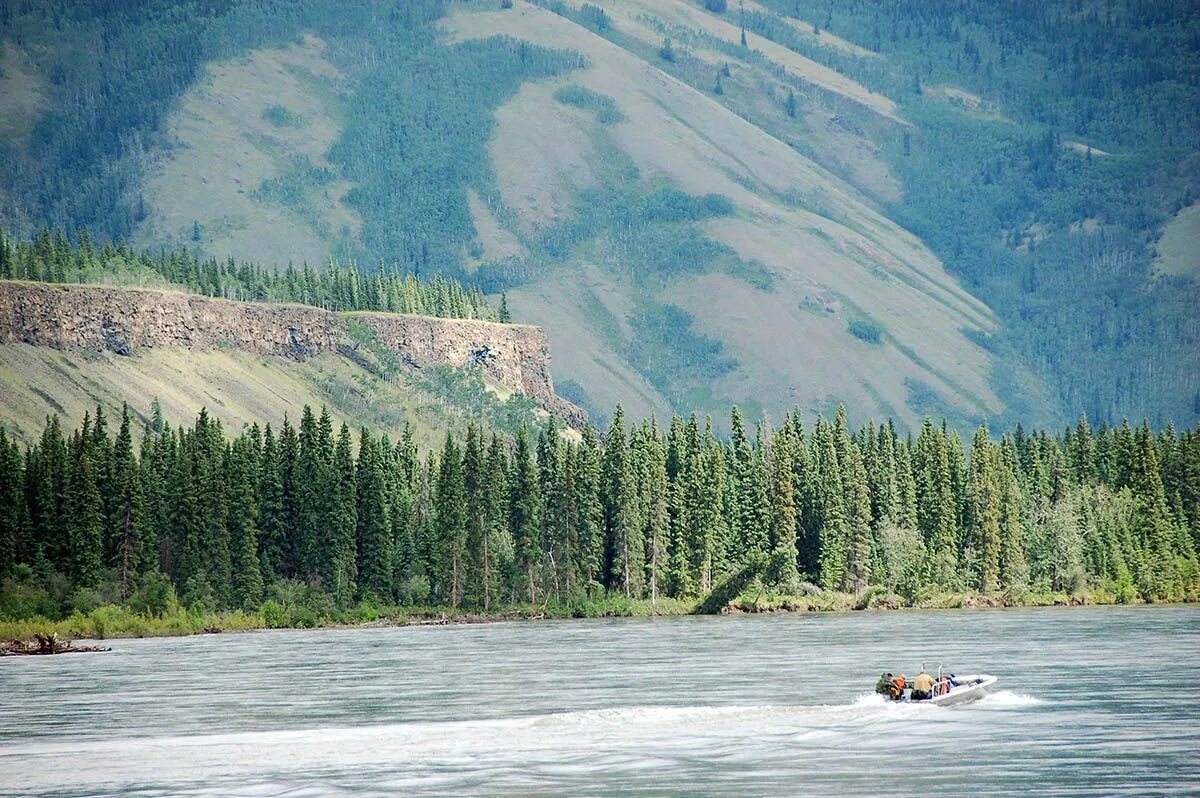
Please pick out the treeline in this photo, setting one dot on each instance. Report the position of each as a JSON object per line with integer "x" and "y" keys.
{"x": 638, "y": 511}
{"x": 53, "y": 258}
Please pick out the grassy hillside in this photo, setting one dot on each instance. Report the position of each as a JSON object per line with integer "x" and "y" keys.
{"x": 239, "y": 389}
{"x": 907, "y": 207}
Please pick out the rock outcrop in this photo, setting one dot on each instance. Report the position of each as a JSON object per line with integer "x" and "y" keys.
{"x": 120, "y": 320}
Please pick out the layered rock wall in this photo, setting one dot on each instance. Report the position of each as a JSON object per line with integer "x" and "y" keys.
{"x": 514, "y": 356}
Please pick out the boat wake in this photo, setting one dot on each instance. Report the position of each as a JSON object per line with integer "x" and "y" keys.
{"x": 1007, "y": 698}
{"x": 413, "y": 750}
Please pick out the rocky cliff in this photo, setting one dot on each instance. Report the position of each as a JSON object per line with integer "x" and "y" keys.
{"x": 77, "y": 317}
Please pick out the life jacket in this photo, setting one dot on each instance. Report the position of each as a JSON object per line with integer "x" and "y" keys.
{"x": 900, "y": 683}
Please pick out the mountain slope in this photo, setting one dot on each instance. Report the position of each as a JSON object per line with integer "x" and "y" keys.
{"x": 832, "y": 257}
{"x": 911, "y": 208}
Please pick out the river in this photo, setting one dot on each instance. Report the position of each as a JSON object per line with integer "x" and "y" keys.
{"x": 1093, "y": 701}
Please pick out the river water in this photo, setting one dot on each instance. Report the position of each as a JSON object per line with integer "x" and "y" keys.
{"x": 1094, "y": 701}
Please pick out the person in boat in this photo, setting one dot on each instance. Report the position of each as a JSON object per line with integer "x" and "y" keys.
{"x": 943, "y": 685}
{"x": 884, "y": 685}
{"x": 922, "y": 688}
{"x": 890, "y": 686}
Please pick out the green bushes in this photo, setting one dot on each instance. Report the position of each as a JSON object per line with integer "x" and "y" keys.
{"x": 577, "y": 96}
{"x": 279, "y": 116}
{"x": 865, "y": 330}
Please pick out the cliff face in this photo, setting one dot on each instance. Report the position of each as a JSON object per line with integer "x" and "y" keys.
{"x": 74, "y": 317}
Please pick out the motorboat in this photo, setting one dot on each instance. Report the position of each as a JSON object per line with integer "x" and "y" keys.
{"x": 964, "y": 690}
{"x": 948, "y": 690}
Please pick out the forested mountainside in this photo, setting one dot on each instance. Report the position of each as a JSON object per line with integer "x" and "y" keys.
{"x": 975, "y": 209}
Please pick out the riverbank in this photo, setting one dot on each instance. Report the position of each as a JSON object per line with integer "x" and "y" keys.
{"x": 115, "y": 621}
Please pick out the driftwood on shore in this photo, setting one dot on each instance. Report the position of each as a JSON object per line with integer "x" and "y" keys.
{"x": 41, "y": 644}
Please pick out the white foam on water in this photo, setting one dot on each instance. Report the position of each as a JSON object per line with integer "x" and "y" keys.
{"x": 555, "y": 739}
{"x": 1007, "y": 698}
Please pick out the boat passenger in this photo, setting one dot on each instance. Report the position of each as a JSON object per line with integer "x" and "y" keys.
{"x": 922, "y": 689}
{"x": 891, "y": 687}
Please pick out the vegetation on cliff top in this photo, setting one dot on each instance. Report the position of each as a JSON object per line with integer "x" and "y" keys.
{"x": 53, "y": 258}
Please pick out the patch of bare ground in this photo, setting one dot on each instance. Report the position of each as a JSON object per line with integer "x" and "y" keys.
{"x": 585, "y": 314}
{"x": 541, "y": 153}
{"x": 495, "y": 241}
{"x": 23, "y": 93}
{"x": 1179, "y": 247}
{"x": 247, "y": 122}
{"x": 1086, "y": 149}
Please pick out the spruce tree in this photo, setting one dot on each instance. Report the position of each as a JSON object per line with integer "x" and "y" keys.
{"x": 272, "y": 521}
{"x": 858, "y": 524}
{"x": 1013, "y": 566}
{"x": 126, "y": 519}
{"x": 474, "y": 485}
{"x": 625, "y": 555}
{"x": 243, "y": 481}
{"x": 450, "y": 508}
{"x": 750, "y": 486}
{"x": 524, "y": 513}
{"x": 984, "y": 514}
{"x": 830, "y": 513}
{"x": 497, "y": 541}
{"x": 1157, "y": 576}
{"x": 589, "y": 509}
{"x": 341, "y": 523}
{"x": 312, "y": 488}
{"x": 10, "y": 500}
{"x": 656, "y": 519}
{"x": 374, "y": 527}
{"x": 783, "y": 504}
{"x": 85, "y": 517}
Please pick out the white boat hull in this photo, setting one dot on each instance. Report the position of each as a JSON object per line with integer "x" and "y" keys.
{"x": 970, "y": 688}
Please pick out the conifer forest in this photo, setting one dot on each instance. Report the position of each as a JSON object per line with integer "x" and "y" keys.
{"x": 107, "y": 512}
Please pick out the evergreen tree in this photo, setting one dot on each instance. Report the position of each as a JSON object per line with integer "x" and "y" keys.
{"x": 625, "y": 554}
{"x": 1013, "y": 567}
{"x": 656, "y": 520}
{"x": 749, "y": 483}
{"x": 11, "y": 501}
{"x": 450, "y": 507}
{"x": 985, "y": 512}
{"x": 782, "y": 500}
{"x": 525, "y": 505}
{"x": 830, "y": 509}
{"x": 243, "y": 482}
{"x": 374, "y": 526}
{"x": 126, "y": 520}
{"x": 272, "y": 521}
{"x": 497, "y": 541}
{"x": 341, "y": 562}
{"x": 858, "y": 525}
{"x": 937, "y": 512}
{"x": 85, "y": 514}
{"x": 1157, "y": 576}
{"x": 589, "y": 509}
